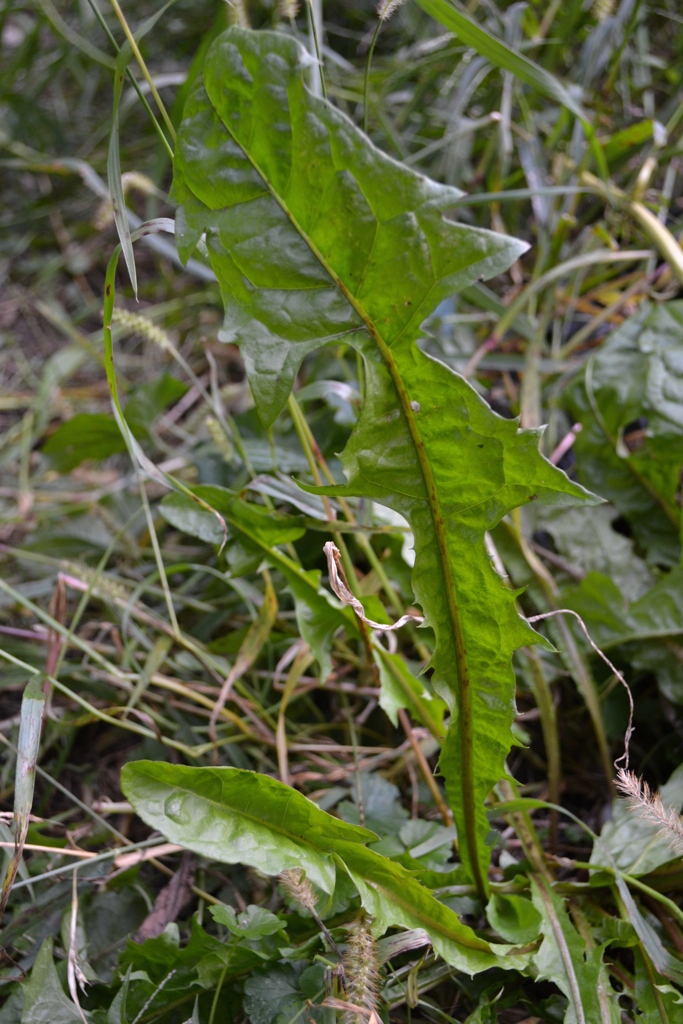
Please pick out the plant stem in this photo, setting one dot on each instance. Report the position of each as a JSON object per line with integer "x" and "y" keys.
{"x": 143, "y": 67}
{"x": 580, "y": 670}
{"x": 366, "y": 80}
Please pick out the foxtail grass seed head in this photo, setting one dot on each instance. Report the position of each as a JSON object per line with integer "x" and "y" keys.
{"x": 129, "y": 180}
{"x": 603, "y": 9}
{"x": 387, "y": 8}
{"x": 649, "y": 807}
{"x": 134, "y": 323}
{"x": 238, "y": 13}
{"x": 298, "y": 888}
{"x": 361, "y": 973}
{"x": 101, "y": 585}
{"x": 288, "y": 9}
{"x": 220, "y": 441}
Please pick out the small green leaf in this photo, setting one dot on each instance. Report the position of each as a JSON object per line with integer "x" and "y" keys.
{"x": 44, "y": 999}
{"x": 253, "y": 923}
{"x": 399, "y": 688}
{"x": 515, "y": 918}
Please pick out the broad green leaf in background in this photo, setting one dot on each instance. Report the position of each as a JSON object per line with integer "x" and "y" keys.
{"x": 315, "y": 236}
{"x": 630, "y": 403}
{"x": 237, "y": 816}
{"x": 611, "y": 620}
{"x": 635, "y": 845}
{"x": 274, "y": 994}
{"x": 587, "y": 539}
{"x": 648, "y": 630}
{"x": 89, "y": 435}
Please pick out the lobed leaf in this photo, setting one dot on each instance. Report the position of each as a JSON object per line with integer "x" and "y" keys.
{"x": 316, "y": 236}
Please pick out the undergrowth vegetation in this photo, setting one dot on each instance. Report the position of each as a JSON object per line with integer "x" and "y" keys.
{"x": 341, "y": 599}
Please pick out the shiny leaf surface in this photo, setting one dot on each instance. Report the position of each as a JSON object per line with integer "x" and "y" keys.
{"x": 237, "y": 816}
{"x": 315, "y": 236}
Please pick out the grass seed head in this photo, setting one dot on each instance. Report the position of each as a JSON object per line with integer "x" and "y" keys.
{"x": 134, "y": 323}
{"x": 298, "y": 888}
{"x": 288, "y": 9}
{"x": 649, "y": 807}
{"x": 361, "y": 971}
{"x": 387, "y": 8}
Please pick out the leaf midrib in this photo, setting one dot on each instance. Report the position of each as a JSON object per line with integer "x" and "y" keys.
{"x": 394, "y": 896}
{"x": 464, "y": 722}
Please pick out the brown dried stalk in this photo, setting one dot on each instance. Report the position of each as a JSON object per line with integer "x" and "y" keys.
{"x": 339, "y": 585}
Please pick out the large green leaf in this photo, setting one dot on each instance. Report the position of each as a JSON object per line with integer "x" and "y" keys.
{"x": 315, "y": 236}
{"x": 238, "y": 816}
